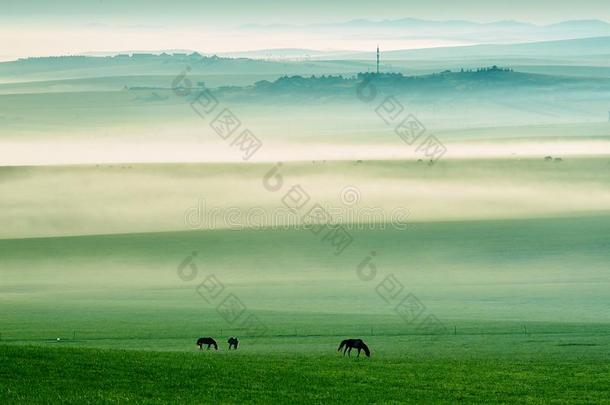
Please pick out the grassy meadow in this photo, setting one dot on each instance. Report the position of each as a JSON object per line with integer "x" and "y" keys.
{"x": 518, "y": 280}
{"x": 79, "y": 375}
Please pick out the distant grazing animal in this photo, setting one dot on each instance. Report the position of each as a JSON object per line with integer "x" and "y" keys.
{"x": 206, "y": 341}
{"x": 349, "y": 344}
{"x": 233, "y": 342}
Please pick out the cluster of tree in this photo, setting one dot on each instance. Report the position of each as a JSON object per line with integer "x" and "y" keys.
{"x": 339, "y": 83}
{"x": 493, "y": 68}
{"x": 177, "y": 55}
{"x": 133, "y": 56}
{"x": 291, "y": 82}
{"x": 389, "y": 75}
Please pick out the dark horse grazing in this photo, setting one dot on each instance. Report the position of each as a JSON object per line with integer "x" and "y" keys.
{"x": 206, "y": 341}
{"x": 233, "y": 342}
{"x": 349, "y": 344}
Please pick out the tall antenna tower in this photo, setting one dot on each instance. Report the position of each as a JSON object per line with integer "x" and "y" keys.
{"x": 377, "y": 59}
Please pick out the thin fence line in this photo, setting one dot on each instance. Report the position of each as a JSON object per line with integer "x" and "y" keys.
{"x": 299, "y": 335}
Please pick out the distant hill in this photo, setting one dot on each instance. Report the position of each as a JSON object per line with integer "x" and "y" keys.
{"x": 140, "y": 64}
{"x": 598, "y": 46}
{"x": 220, "y": 70}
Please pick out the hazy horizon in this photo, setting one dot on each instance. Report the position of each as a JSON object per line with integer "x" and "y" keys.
{"x": 70, "y": 27}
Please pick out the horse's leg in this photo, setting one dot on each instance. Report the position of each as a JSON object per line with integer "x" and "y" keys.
{"x": 344, "y": 350}
{"x": 358, "y": 352}
{"x": 349, "y": 352}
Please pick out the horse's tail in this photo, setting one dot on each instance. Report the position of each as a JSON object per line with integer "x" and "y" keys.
{"x": 366, "y": 350}
{"x": 341, "y": 345}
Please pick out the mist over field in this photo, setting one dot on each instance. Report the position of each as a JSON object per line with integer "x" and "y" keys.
{"x": 122, "y": 117}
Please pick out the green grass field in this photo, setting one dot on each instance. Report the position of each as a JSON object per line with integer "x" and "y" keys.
{"x": 480, "y": 369}
{"x": 518, "y": 280}
{"x": 520, "y": 327}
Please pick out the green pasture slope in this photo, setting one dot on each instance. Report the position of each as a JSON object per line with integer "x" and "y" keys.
{"x": 522, "y": 324}
{"x": 402, "y": 370}
{"x": 523, "y": 296}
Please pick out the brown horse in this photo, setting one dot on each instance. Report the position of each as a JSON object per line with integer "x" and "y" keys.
{"x": 348, "y": 344}
{"x": 206, "y": 341}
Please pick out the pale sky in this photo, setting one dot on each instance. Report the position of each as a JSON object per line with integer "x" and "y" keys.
{"x": 43, "y": 27}
{"x": 237, "y": 12}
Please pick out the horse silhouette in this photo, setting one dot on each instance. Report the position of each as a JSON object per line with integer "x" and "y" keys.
{"x": 348, "y": 344}
{"x": 206, "y": 341}
{"x": 233, "y": 342}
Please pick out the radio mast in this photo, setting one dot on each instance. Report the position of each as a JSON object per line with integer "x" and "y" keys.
{"x": 377, "y": 59}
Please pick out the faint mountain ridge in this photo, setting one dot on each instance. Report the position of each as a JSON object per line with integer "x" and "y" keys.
{"x": 408, "y": 21}
{"x": 581, "y": 24}
{"x": 503, "y": 31}
{"x": 598, "y": 46}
